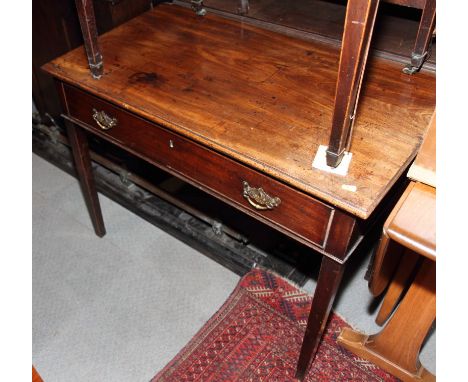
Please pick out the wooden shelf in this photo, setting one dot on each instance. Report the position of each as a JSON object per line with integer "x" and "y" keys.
{"x": 260, "y": 97}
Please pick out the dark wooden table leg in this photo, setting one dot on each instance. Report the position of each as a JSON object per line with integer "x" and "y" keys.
{"x": 423, "y": 38}
{"x": 90, "y": 36}
{"x": 329, "y": 279}
{"x": 79, "y": 144}
{"x": 359, "y": 24}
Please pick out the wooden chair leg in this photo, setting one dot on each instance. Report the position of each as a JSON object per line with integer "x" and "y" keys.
{"x": 400, "y": 281}
{"x": 90, "y": 36}
{"x": 423, "y": 38}
{"x": 329, "y": 279}
{"x": 79, "y": 145}
{"x": 359, "y": 24}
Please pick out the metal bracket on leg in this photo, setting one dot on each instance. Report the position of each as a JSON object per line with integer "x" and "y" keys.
{"x": 333, "y": 160}
{"x": 97, "y": 69}
{"x": 417, "y": 61}
{"x": 424, "y": 38}
{"x": 197, "y": 6}
{"x": 320, "y": 161}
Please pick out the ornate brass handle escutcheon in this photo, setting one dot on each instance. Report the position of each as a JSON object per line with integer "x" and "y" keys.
{"x": 103, "y": 120}
{"x": 259, "y": 199}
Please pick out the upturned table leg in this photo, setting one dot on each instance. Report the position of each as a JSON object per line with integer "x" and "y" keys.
{"x": 329, "y": 279}
{"x": 79, "y": 144}
{"x": 423, "y": 38}
{"x": 90, "y": 36}
{"x": 400, "y": 281}
{"x": 359, "y": 24}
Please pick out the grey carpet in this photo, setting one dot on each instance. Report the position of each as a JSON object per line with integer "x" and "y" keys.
{"x": 119, "y": 308}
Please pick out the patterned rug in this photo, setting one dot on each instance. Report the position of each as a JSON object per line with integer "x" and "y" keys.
{"x": 256, "y": 336}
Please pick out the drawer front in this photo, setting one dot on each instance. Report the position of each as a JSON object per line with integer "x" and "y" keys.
{"x": 279, "y": 205}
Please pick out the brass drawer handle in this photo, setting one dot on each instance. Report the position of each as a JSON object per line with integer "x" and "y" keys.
{"x": 259, "y": 199}
{"x": 103, "y": 120}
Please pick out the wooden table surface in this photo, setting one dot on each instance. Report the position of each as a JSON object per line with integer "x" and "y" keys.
{"x": 424, "y": 166}
{"x": 414, "y": 224}
{"x": 260, "y": 97}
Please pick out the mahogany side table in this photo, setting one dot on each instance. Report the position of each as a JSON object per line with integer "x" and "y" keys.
{"x": 239, "y": 112}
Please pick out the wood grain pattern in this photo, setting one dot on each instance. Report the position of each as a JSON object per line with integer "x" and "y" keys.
{"x": 87, "y": 18}
{"x": 56, "y": 30}
{"x": 411, "y": 224}
{"x": 359, "y": 25}
{"x": 423, "y": 168}
{"x": 220, "y": 176}
{"x": 342, "y": 234}
{"x": 228, "y": 86}
{"x": 324, "y": 20}
{"x": 202, "y": 91}
{"x": 414, "y": 224}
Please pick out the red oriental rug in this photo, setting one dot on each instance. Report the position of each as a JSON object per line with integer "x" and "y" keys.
{"x": 256, "y": 336}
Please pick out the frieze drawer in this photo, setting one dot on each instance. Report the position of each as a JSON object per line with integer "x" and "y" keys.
{"x": 259, "y": 195}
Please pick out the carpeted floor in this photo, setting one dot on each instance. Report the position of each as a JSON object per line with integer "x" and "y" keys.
{"x": 120, "y": 308}
{"x": 256, "y": 336}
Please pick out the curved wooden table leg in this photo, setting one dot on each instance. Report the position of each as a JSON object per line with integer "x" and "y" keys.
{"x": 396, "y": 347}
{"x": 329, "y": 279}
{"x": 90, "y": 36}
{"x": 386, "y": 261}
{"x": 397, "y": 286}
{"x": 79, "y": 145}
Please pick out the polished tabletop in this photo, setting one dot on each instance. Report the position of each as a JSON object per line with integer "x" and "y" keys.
{"x": 260, "y": 97}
